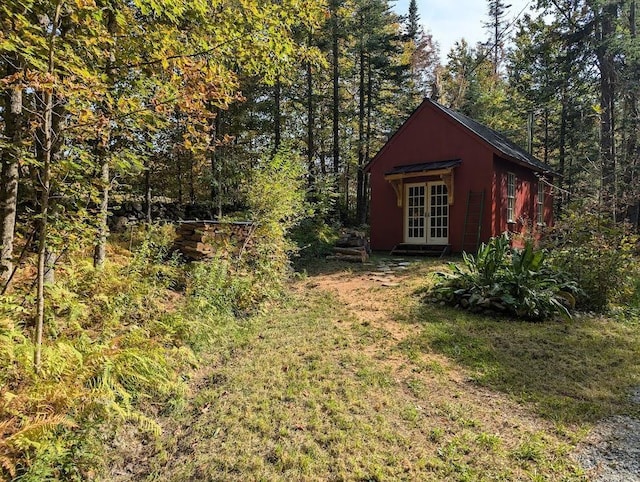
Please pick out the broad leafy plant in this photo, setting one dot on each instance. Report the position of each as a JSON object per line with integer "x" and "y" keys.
{"x": 506, "y": 280}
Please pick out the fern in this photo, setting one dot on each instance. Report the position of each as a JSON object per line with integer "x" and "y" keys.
{"x": 117, "y": 344}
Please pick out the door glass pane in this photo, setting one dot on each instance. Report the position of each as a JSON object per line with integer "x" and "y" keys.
{"x": 439, "y": 213}
{"x": 416, "y": 213}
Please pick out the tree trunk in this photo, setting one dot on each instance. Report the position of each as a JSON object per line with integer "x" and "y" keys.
{"x": 562, "y": 150}
{"x": 496, "y": 40}
{"x": 277, "y": 115}
{"x": 218, "y": 166}
{"x": 336, "y": 93}
{"x": 9, "y": 173}
{"x": 214, "y": 150}
{"x": 323, "y": 157}
{"x": 546, "y": 136}
{"x": 367, "y": 152}
{"x": 606, "y": 66}
{"x": 50, "y": 260}
{"x": 631, "y": 180}
{"x": 100, "y": 251}
{"x": 360, "y": 213}
{"x": 45, "y": 157}
{"x": 310, "y": 119}
{"x": 179, "y": 173}
{"x": 147, "y": 194}
{"x": 192, "y": 181}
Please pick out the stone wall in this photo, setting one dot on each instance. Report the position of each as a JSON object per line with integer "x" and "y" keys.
{"x": 132, "y": 212}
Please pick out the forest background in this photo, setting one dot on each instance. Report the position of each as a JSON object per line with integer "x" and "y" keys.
{"x": 247, "y": 109}
{"x": 130, "y": 101}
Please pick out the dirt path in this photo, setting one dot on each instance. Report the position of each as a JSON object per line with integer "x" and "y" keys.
{"x": 369, "y": 293}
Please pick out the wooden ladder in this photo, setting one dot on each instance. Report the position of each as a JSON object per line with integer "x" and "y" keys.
{"x": 473, "y": 221}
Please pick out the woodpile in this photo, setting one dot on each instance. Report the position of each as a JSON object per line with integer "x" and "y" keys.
{"x": 200, "y": 240}
{"x": 351, "y": 246}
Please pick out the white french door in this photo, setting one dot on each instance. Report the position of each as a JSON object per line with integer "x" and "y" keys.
{"x": 427, "y": 213}
{"x": 415, "y": 214}
{"x": 438, "y": 213}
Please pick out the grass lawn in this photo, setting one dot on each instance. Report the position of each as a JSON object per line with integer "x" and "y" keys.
{"x": 351, "y": 380}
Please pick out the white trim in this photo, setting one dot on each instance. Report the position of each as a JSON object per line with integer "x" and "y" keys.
{"x": 437, "y": 213}
{"x": 540, "y": 203}
{"x": 416, "y": 205}
{"x": 511, "y": 197}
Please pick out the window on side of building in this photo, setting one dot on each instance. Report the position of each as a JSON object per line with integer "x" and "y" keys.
{"x": 511, "y": 197}
{"x": 540, "y": 202}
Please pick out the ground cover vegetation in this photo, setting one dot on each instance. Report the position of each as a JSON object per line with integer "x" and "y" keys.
{"x": 502, "y": 279}
{"x": 348, "y": 379}
{"x": 121, "y": 341}
{"x": 585, "y": 262}
{"x": 269, "y": 111}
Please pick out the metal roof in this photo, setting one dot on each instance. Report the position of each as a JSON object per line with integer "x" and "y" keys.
{"x": 497, "y": 140}
{"x": 425, "y": 166}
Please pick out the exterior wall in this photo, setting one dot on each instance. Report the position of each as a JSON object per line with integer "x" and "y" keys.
{"x": 526, "y": 206}
{"x": 430, "y": 135}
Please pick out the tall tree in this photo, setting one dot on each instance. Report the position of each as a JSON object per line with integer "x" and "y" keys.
{"x": 496, "y": 26}
{"x": 423, "y": 53}
{"x": 631, "y": 120}
{"x": 413, "y": 21}
{"x": 605, "y": 27}
{"x": 335, "y": 110}
{"x": 9, "y": 164}
{"x": 103, "y": 144}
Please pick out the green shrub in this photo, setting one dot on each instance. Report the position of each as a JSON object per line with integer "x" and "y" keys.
{"x": 314, "y": 238}
{"x": 501, "y": 279}
{"x": 276, "y": 201}
{"x": 598, "y": 254}
{"x": 316, "y": 234}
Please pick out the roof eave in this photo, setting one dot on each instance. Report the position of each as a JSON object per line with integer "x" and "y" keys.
{"x": 495, "y": 148}
{"x": 526, "y": 164}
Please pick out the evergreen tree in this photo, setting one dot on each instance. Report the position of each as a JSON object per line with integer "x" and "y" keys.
{"x": 414, "y": 29}
{"x": 496, "y": 27}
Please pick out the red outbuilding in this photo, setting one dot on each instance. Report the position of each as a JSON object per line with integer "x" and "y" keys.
{"x": 445, "y": 182}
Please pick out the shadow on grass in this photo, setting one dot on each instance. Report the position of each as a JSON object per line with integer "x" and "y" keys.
{"x": 322, "y": 266}
{"x": 572, "y": 372}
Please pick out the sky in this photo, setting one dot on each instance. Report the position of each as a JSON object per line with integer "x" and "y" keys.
{"x": 451, "y": 20}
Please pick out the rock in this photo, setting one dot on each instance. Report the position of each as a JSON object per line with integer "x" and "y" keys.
{"x": 119, "y": 224}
